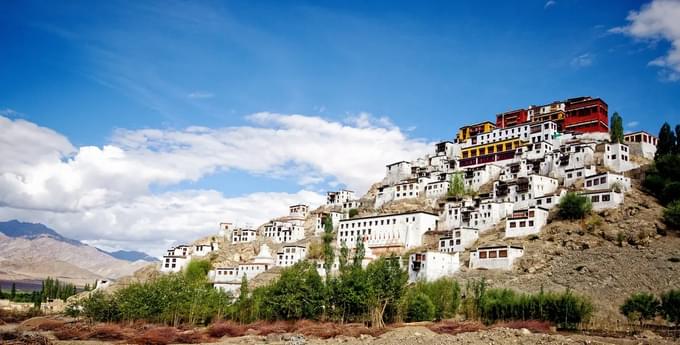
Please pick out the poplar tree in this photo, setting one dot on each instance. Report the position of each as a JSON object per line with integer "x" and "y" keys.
{"x": 13, "y": 292}
{"x": 666, "y": 143}
{"x": 327, "y": 245}
{"x": 616, "y": 128}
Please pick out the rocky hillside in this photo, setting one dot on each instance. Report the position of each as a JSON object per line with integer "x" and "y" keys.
{"x": 607, "y": 256}
{"x": 34, "y": 252}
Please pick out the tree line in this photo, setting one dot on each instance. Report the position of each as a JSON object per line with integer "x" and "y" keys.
{"x": 374, "y": 295}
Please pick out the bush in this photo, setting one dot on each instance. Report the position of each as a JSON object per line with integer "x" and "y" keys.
{"x": 563, "y": 309}
{"x": 670, "y": 306}
{"x": 444, "y": 294}
{"x": 353, "y": 212}
{"x": 640, "y": 306}
{"x": 197, "y": 270}
{"x": 156, "y": 336}
{"x": 670, "y": 193}
{"x": 420, "y": 308}
{"x": 574, "y": 206}
{"x": 232, "y": 329}
{"x": 671, "y": 215}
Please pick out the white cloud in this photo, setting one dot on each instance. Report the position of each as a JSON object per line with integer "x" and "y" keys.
{"x": 550, "y": 3}
{"x": 658, "y": 20}
{"x": 200, "y": 95}
{"x": 583, "y": 60}
{"x": 632, "y": 124}
{"x": 103, "y": 194}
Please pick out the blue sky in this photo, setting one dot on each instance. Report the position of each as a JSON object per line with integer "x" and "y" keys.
{"x": 87, "y": 69}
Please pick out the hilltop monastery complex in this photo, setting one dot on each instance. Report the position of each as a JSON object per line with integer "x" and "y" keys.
{"x": 515, "y": 170}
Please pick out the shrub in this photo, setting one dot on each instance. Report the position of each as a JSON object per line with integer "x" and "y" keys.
{"x": 670, "y": 193}
{"x": 574, "y": 206}
{"x": 532, "y": 325}
{"x": 671, "y": 215}
{"x": 107, "y": 331}
{"x": 353, "y": 212}
{"x": 196, "y": 270}
{"x": 444, "y": 294}
{"x": 670, "y": 306}
{"x": 454, "y": 327}
{"x": 420, "y": 308}
{"x": 230, "y": 328}
{"x": 640, "y": 306}
{"x": 156, "y": 336}
{"x": 190, "y": 337}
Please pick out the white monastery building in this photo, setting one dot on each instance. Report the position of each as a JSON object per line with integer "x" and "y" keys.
{"x": 431, "y": 265}
{"x": 495, "y": 257}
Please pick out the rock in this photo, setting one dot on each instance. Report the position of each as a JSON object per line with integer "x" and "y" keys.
{"x": 418, "y": 334}
{"x": 365, "y": 337}
{"x": 297, "y": 340}
{"x": 525, "y": 331}
{"x": 274, "y": 337}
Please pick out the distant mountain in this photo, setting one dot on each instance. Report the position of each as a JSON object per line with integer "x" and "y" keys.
{"x": 33, "y": 252}
{"x": 15, "y": 228}
{"x": 132, "y": 256}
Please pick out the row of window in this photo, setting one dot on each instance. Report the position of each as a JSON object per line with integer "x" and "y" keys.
{"x": 375, "y": 222}
{"x": 596, "y": 198}
{"x": 521, "y": 223}
{"x": 492, "y": 254}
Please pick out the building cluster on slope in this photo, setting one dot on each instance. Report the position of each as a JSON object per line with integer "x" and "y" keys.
{"x": 513, "y": 172}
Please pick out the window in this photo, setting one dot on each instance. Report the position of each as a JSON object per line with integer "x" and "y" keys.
{"x": 522, "y": 224}
{"x": 595, "y": 198}
{"x": 606, "y": 197}
{"x": 513, "y": 225}
{"x": 503, "y": 253}
{"x": 492, "y": 254}
{"x": 458, "y": 242}
{"x": 482, "y": 255}
{"x": 531, "y": 223}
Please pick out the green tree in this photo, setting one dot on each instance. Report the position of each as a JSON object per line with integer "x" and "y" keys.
{"x": 353, "y": 212}
{"x": 197, "y": 270}
{"x": 2, "y": 295}
{"x": 670, "y": 306}
{"x": 297, "y": 294}
{"x": 574, "y": 206}
{"x": 640, "y": 306}
{"x": 671, "y": 215}
{"x": 359, "y": 252}
{"x": 666, "y": 144}
{"x": 344, "y": 256}
{"x": 420, "y": 308}
{"x": 388, "y": 281}
{"x": 457, "y": 185}
{"x": 13, "y": 292}
{"x": 616, "y": 128}
{"x": 328, "y": 254}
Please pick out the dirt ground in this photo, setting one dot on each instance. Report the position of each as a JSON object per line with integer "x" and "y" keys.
{"x": 420, "y": 335}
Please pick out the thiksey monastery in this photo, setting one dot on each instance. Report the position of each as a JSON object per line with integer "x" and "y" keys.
{"x": 514, "y": 171}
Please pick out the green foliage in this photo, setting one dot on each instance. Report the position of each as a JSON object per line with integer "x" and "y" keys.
{"x": 670, "y": 306}
{"x": 327, "y": 238}
{"x": 444, "y": 294}
{"x": 170, "y": 299}
{"x": 457, "y": 186}
{"x": 101, "y": 308}
{"x": 420, "y": 308}
{"x": 616, "y": 128}
{"x": 53, "y": 288}
{"x": 13, "y": 292}
{"x": 197, "y": 270}
{"x": 353, "y": 212}
{"x": 359, "y": 253}
{"x": 350, "y": 295}
{"x": 671, "y": 215}
{"x": 574, "y": 206}
{"x": 564, "y": 309}
{"x": 344, "y": 257}
{"x": 640, "y": 306}
{"x": 666, "y": 144}
{"x": 388, "y": 281}
{"x": 297, "y": 294}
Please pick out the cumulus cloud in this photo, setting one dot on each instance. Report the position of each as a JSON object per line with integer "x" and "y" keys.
{"x": 103, "y": 194}
{"x": 658, "y": 20}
